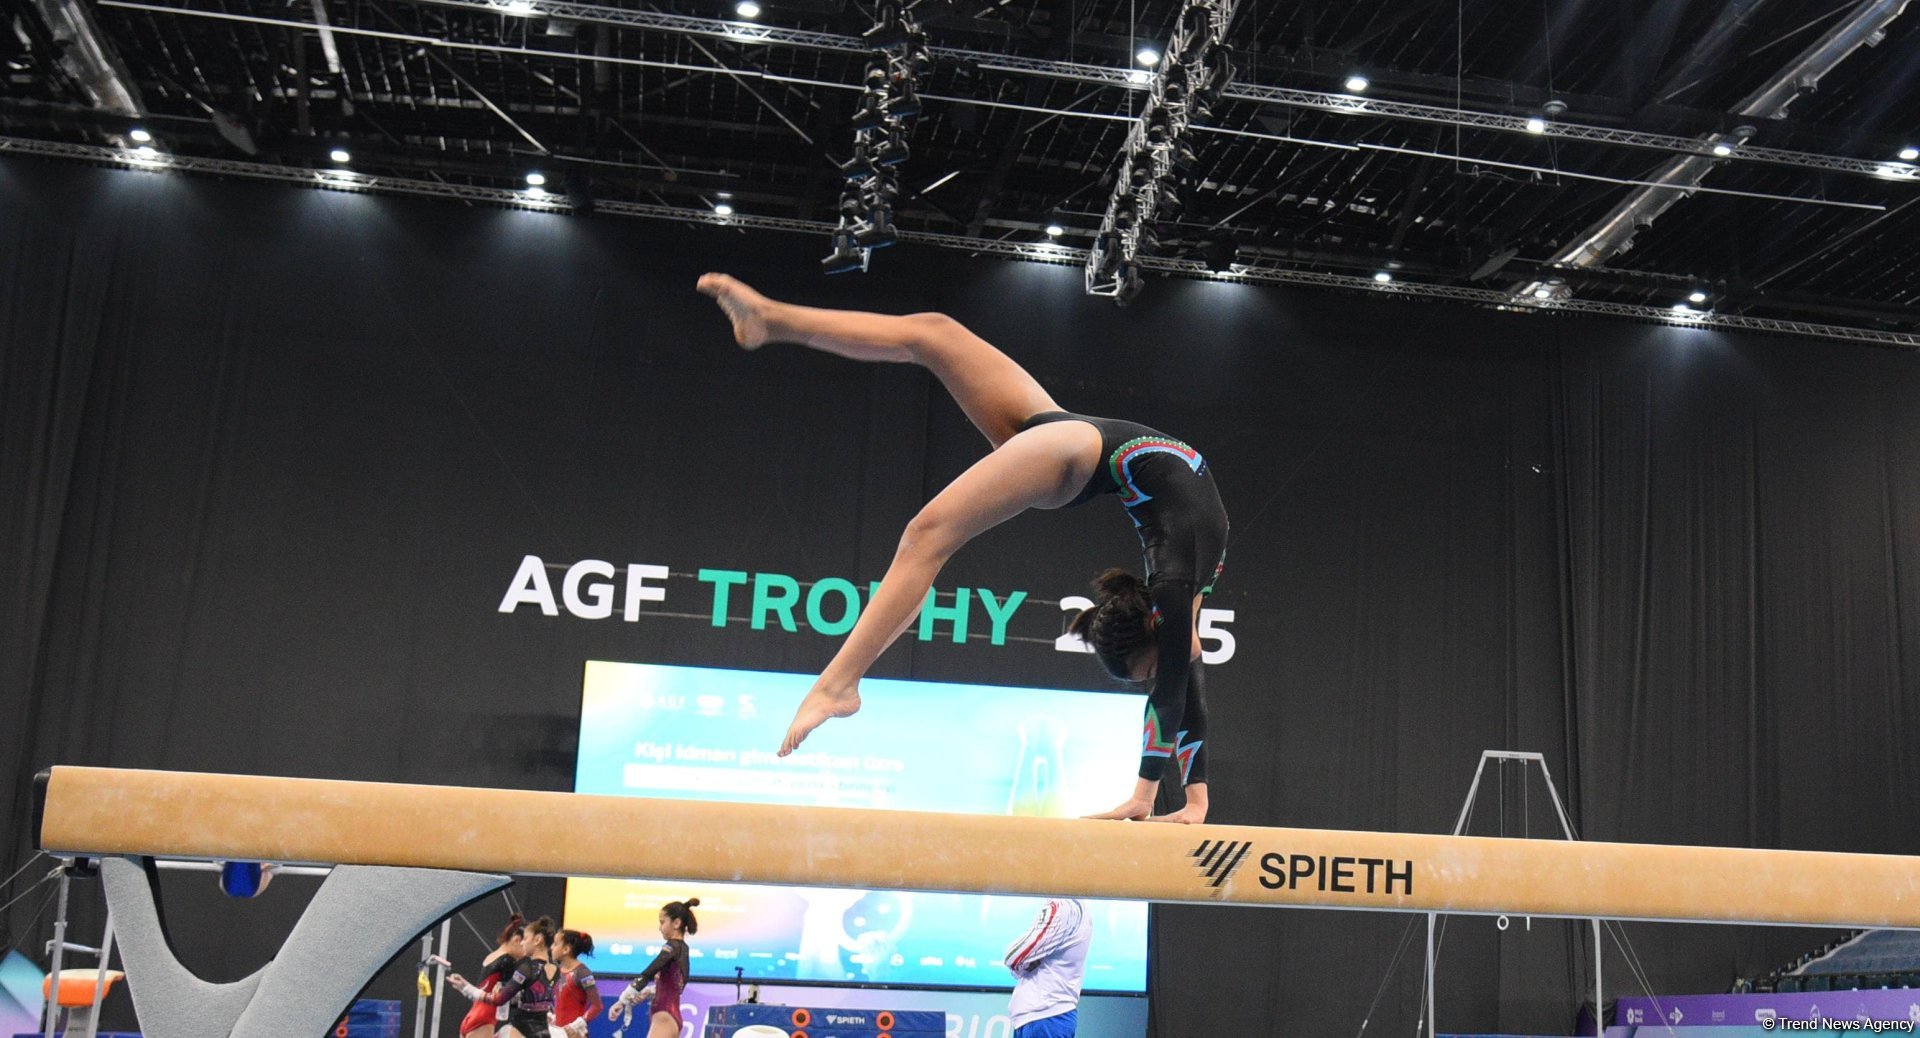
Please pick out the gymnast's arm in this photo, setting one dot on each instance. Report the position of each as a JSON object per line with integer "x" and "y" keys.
{"x": 1173, "y": 663}
{"x": 509, "y": 986}
{"x": 660, "y": 962}
{"x": 590, "y": 990}
{"x": 1031, "y": 470}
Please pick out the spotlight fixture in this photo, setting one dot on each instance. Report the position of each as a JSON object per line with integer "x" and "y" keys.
{"x": 520, "y": 7}
{"x": 1358, "y": 84}
{"x": 723, "y": 209}
{"x": 141, "y": 136}
{"x": 1907, "y": 154}
{"x": 147, "y": 151}
{"x": 1723, "y": 150}
{"x": 1055, "y": 229}
{"x": 340, "y": 155}
{"x": 846, "y": 256}
{"x": 536, "y": 180}
{"x": 888, "y": 108}
{"x": 1697, "y": 296}
{"x": 747, "y": 9}
{"x": 1383, "y": 277}
{"x": 1536, "y": 125}
{"x": 1150, "y": 175}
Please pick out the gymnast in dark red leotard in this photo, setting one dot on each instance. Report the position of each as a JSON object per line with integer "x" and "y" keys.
{"x": 666, "y": 975}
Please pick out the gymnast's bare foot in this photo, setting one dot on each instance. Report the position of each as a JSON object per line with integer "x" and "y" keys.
{"x": 1193, "y": 812}
{"x": 817, "y": 709}
{"x": 746, "y": 308}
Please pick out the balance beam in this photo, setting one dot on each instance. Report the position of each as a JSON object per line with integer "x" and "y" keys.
{"x": 108, "y": 811}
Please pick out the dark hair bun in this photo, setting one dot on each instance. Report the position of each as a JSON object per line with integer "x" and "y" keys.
{"x": 1117, "y": 581}
{"x": 692, "y": 902}
{"x": 1119, "y": 625}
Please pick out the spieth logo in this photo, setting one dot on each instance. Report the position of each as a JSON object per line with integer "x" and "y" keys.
{"x": 1217, "y": 860}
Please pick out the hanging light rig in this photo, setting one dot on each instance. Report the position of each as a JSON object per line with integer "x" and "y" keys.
{"x": 1156, "y": 164}
{"x": 888, "y": 107}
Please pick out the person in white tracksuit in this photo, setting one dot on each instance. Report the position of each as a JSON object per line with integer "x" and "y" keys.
{"x": 1048, "y": 963}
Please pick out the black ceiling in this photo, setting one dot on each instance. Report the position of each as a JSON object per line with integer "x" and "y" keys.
{"x": 995, "y": 157}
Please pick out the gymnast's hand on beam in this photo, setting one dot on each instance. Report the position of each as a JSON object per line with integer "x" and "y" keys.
{"x": 1189, "y": 814}
{"x": 1134, "y": 810}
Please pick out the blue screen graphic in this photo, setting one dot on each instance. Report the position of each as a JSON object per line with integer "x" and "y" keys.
{"x": 710, "y": 734}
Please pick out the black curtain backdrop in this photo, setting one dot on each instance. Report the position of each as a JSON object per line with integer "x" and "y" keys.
{"x": 270, "y": 457}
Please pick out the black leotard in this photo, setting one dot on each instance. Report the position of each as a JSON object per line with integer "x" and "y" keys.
{"x": 497, "y": 970}
{"x": 1169, "y": 494}
{"x": 528, "y": 995}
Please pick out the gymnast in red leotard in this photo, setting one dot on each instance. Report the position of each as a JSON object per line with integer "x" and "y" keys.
{"x": 577, "y": 999}
{"x": 666, "y": 976}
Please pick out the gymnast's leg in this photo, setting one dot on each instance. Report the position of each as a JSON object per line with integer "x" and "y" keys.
{"x": 997, "y": 394}
{"x": 1041, "y": 468}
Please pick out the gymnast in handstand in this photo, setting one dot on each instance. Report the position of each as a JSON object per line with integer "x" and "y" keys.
{"x": 1042, "y": 457}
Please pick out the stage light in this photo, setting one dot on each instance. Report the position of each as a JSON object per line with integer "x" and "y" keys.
{"x": 1055, "y": 229}
{"x": 1383, "y": 277}
{"x": 1140, "y": 75}
{"x": 1722, "y": 150}
{"x": 1147, "y": 56}
{"x": 141, "y": 136}
{"x": 1543, "y": 292}
{"x": 147, "y": 151}
{"x": 1536, "y": 125}
{"x": 723, "y": 209}
{"x": 1909, "y": 153}
{"x": 340, "y": 155}
{"x": 1358, "y": 84}
{"x": 536, "y": 180}
{"x": 747, "y": 9}
{"x": 522, "y": 7}
{"x": 1697, "y": 296}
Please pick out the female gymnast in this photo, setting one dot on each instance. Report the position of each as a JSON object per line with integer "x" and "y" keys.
{"x": 577, "y": 999}
{"x": 1042, "y": 457}
{"x": 527, "y": 993}
{"x": 666, "y": 976}
{"x": 481, "y": 1020}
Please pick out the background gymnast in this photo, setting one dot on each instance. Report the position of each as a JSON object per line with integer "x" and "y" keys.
{"x": 1042, "y": 457}
{"x": 665, "y": 977}
{"x": 576, "y": 998}
{"x": 527, "y": 993}
{"x": 499, "y": 964}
